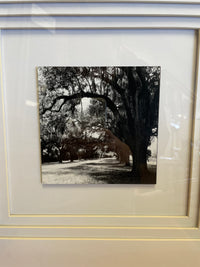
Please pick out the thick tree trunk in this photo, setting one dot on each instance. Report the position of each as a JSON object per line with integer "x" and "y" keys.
{"x": 140, "y": 172}
{"x": 123, "y": 152}
{"x": 139, "y": 166}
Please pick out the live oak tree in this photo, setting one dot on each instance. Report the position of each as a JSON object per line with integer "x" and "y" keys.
{"x": 130, "y": 96}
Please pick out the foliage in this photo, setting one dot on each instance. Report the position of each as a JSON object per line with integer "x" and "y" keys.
{"x": 123, "y": 99}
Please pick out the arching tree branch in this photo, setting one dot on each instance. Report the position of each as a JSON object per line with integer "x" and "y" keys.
{"x": 110, "y": 104}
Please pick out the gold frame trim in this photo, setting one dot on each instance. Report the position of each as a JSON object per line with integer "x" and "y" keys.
{"x": 102, "y": 239}
{"x": 94, "y": 227}
{"x": 194, "y": 101}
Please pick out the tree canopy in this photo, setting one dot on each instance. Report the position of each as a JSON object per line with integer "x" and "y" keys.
{"x": 125, "y": 100}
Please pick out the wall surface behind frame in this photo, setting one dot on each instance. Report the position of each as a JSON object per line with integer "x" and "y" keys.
{"x": 75, "y": 253}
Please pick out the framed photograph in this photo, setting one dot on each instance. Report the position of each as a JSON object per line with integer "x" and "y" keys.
{"x": 100, "y": 130}
{"x": 98, "y": 125}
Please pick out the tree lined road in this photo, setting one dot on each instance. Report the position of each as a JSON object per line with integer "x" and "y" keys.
{"x": 96, "y": 171}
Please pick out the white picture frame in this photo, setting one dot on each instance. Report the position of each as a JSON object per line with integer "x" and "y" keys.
{"x": 19, "y": 218}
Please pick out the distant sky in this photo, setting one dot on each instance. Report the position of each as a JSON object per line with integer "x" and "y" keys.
{"x": 85, "y": 103}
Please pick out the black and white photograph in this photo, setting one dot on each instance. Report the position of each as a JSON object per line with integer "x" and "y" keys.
{"x": 98, "y": 125}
